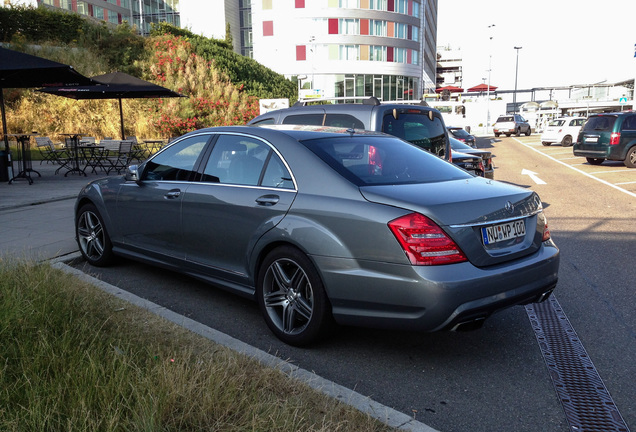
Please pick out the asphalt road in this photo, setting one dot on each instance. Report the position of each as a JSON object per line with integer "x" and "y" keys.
{"x": 496, "y": 378}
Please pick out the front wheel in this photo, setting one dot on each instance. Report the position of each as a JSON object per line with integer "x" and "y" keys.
{"x": 292, "y": 297}
{"x": 566, "y": 141}
{"x": 594, "y": 161}
{"x": 92, "y": 237}
{"x": 630, "y": 159}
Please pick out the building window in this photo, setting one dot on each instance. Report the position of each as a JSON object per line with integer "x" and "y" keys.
{"x": 378, "y": 53}
{"x": 349, "y": 52}
{"x": 416, "y": 9}
{"x": 268, "y": 28}
{"x": 350, "y": 4}
{"x": 401, "y": 6}
{"x": 267, "y": 4}
{"x": 301, "y": 52}
{"x": 349, "y": 26}
{"x": 377, "y": 28}
{"x": 300, "y": 4}
{"x": 82, "y": 8}
{"x": 401, "y": 30}
{"x": 378, "y": 5}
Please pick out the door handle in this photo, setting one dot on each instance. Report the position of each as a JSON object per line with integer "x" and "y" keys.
{"x": 267, "y": 200}
{"x": 172, "y": 194}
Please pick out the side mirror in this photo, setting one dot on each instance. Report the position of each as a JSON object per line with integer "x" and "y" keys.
{"x": 132, "y": 173}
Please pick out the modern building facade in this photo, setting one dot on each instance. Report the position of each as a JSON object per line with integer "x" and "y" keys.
{"x": 140, "y": 13}
{"x": 345, "y": 48}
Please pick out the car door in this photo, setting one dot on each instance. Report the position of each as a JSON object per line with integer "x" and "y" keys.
{"x": 149, "y": 211}
{"x": 245, "y": 190}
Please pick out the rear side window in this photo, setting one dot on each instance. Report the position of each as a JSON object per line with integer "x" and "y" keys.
{"x": 629, "y": 123}
{"x": 305, "y": 119}
{"x": 418, "y": 129}
{"x": 599, "y": 124}
{"x": 367, "y": 160}
{"x": 343, "y": 120}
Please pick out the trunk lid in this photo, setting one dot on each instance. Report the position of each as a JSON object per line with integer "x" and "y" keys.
{"x": 491, "y": 222}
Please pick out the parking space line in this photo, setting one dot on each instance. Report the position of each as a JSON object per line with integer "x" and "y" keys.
{"x": 632, "y": 194}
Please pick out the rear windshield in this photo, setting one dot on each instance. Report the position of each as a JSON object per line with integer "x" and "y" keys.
{"x": 365, "y": 160}
{"x": 460, "y": 133}
{"x": 505, "y": 119}
{"x": 418, "y": 129}
{"x": 599, "y": 123}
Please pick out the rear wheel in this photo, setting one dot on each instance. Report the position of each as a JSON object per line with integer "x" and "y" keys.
{"x": 630, "y": 159}
{"x": 292, "y": 297}
{"x": 92, "y": 237}
{"x": 508, "y": 135}
{"x": 566, "y": 141}
{"x": 497, "y": 135}
{"x": 595, "y": 161}
{"x": 528, "y": 131}
{"x": 545, "y": 143}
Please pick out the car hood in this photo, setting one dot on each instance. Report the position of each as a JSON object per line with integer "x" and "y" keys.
{"x": 469, "y": 201}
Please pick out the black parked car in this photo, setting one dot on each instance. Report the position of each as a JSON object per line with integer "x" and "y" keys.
{"x": 462, "y": 135}
{"x": 488, "y": 170}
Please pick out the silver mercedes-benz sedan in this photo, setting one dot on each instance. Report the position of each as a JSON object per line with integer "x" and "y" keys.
{"x": 326, "y": 226}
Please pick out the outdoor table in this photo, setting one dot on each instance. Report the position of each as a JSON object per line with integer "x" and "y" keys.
{"x": 74, "y": 139}
{"x": 24, "y": 157}
{"x": 94, "y": 155}
{"x": 153, "y": 146}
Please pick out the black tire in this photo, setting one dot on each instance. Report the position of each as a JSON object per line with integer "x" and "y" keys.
{"x": 508, "y": 135}
{"x": 547, "y": 144}
{"x": 566, "y": 141}
{"x": 292, "y": 297}
{"x": 497, "y": 135}
{"x": 528, "y": 131}
{"x": 518, "y": 132}
{"x": 594, "y": 161}
{"x": 630, "y": 159}
{"x": 92, "y": 237}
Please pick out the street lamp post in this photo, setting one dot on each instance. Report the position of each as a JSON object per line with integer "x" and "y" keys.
{"x": 514, "y": 97}
{"x": 488, "y": 88}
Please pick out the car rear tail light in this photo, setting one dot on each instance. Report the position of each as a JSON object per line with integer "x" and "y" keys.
{"x": 424, "y": 242}
{"x": 615, "y": 138}
{"x": 546, "y": 231}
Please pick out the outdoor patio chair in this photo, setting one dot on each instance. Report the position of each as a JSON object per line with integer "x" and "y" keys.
{"x": 119, "y": 159}
{"x": 47, "y": 149}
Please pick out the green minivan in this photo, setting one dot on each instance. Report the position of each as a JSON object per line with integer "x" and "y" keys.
{"x": 610, "y": 136}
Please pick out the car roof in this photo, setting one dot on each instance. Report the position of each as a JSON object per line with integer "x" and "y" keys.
{"x": 298, "y": 132}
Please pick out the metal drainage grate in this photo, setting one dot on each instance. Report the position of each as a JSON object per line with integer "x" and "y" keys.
{"x": 587, "y": 404}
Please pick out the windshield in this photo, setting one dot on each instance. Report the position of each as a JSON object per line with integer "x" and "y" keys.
{"x": 417, "y": 128}
{"x": 460, "y": 133}
{"x": 367, "y": 160}
{"x": 599, "y": 123}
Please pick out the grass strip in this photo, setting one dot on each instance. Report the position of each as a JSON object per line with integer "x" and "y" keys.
{"x": 74, "y": 358}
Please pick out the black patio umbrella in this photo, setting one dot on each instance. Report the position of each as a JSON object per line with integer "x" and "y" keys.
{"x": 116, "y": 85}
{"x": 20, "y": 70}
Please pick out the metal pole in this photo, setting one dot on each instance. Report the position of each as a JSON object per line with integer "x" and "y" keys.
{"x": 488, "y": 88}
{"x": 514, "y": 97}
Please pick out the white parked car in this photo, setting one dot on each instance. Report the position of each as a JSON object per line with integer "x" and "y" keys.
{"x": 562, "y": 130}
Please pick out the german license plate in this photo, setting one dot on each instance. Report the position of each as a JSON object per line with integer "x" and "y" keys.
{"x": 591, "y": 139}
{"x": 505, "y": 231}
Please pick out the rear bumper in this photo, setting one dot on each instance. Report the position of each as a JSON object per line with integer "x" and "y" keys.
{"x": 418, "y": 298}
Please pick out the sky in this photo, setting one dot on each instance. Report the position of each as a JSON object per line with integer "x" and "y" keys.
{"x": 563, "y": 42}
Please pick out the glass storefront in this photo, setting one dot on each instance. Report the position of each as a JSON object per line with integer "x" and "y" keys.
{"x": 384, "y": 87}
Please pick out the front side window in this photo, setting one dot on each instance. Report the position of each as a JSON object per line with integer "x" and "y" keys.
{"x": 242, "y": 160}
{"x": 177, "y": 162}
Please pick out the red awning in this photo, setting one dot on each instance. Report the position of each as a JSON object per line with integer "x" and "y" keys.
{"x": 482, "y": 88}
{"x": 451, "y": 89}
